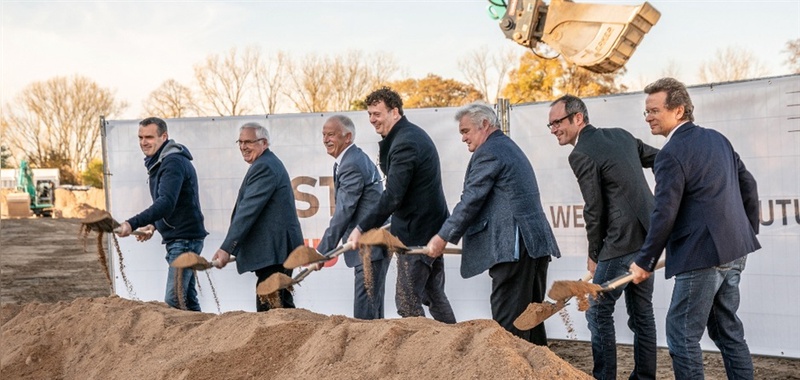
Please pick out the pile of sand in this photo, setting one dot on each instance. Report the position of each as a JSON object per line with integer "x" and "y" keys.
{"x": 115, "y": 338}
{"x": 78, "y": 204}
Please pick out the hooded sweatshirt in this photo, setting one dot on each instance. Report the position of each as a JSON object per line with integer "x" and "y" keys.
{"x": 175, "y": 211}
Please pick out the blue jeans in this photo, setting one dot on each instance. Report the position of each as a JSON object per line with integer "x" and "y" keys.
{"x": 708, "y": 298}
{"x": 639, "y": 303}
{"x": 176, "y": 248}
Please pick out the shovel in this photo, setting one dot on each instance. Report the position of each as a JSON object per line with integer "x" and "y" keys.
{"x": 191, "y": 260}
{"x": 101, "y": 221}
{"x": 537, "y": 313}
{"x": 562, "y": 290}
{"x": 304, "y": 256}
{"x": 301, "y": 256}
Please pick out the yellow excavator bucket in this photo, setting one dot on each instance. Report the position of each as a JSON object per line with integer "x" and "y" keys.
{"x": 598, "y": 37}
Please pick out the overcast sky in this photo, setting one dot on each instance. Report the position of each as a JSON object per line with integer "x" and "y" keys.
{"x": 132, "y": 47}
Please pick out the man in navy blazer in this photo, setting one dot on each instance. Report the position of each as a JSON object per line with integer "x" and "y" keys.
{"x": 264, "y": 226}
{"x": 357, "y": 187}
{"x": 414, "y": 197}
{"x": 607, "y": 163}
{"x": 706, "y": 215}
{"x": 501, "y": 220}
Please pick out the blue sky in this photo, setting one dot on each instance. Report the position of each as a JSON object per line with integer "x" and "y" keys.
{"x": 132, "y": 47}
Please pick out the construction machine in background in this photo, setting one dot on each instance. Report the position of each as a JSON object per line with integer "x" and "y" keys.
{"x": 598, "y": 37}
{"x": 38, "y": 197}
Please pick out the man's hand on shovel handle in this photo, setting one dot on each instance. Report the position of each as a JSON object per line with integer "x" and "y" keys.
{"x": 221, "y": 258}
{"x": 639, "y": 274}
{"x": 354, "y": 236}
{"x": 124, "y": 229}
{"x": 147, "y": 232}
{"x": 436, "y": 246}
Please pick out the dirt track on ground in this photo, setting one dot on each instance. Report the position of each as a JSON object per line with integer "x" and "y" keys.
{"x": 43, "y": 261}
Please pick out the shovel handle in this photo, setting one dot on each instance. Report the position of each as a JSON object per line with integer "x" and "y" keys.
{"x": 425, "y": 250}
{"x": 215, "y": 262}
{"x": 626, "y": 278}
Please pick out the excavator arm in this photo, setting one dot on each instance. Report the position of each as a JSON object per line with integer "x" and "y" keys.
{"x": 598, "y": 37}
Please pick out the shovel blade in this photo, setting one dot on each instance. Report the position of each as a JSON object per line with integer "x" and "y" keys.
{"x": 273, "y": 283}
{"x": 100, "y": 221}
{"x": 537, "y": 313}
{"x": 563, "y": 290}
{"x": 379, "y": 236}
{"x": 302, "y": 256}
{"x": 190, "y": 260}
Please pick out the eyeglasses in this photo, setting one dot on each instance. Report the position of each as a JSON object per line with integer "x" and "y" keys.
{"x": 557, "y": 122}
{"x": 652, "y": 111}
{"x": 248, "y": 142}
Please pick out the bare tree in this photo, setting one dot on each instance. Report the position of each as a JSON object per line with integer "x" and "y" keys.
{"x": 57, "y": 121}
{"x": 487, "y": 70}
{"x": 170, "y": 100}
{"x": 337, "y": 83}
{"x": 270, "y": 79}
{"x": 793, "y": 52}
{"x": 673, "y": 70}
{"x": 310, "y": 90}
{"x": 730, "y": 64}
{"x": 224, "y": 82}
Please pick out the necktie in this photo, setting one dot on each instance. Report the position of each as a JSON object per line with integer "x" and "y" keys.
{"x": 335, "y": 167}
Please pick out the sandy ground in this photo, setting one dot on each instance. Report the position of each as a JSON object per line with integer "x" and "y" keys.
{"x": 58, "y": 321}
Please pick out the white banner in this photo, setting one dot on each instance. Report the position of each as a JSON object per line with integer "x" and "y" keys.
{"x": 761, "y": 118}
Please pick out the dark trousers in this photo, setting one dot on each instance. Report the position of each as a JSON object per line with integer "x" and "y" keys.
{"x": 287, "y": 301}
{"x": 514, "y": 286}
{"x": 420, "y": 281}
{"x": 369, "y": 305}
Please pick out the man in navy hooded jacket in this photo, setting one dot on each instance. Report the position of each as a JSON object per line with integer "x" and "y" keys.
{"x": 175, "y": 211}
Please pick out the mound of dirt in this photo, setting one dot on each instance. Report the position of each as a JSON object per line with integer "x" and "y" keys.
{"x": 116, "y": 338}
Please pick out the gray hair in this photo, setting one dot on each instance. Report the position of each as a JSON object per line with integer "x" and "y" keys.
{"x": 573, "y": 105}
{"x": 477, "y": 113}
{"x": 347, "y": 123}
{"x": 261, "y": 132}
{"x": 677, "y": 95}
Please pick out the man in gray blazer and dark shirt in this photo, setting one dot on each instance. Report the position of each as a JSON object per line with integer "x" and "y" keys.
{"x": 501, "y": 220}
{"x": 608, "y": 164}
{"x": 358, "y": 187}
{"x": 264, "y": 226}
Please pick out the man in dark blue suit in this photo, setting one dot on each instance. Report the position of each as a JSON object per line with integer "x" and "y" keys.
{"x": 501, "y": 220}
{"x": 706, "y": 215}
{"x": 264, "y": 226}
{"x": 608, "y": 164}
{"x": 357, "y": 187}
{"x": 414, "y": 197}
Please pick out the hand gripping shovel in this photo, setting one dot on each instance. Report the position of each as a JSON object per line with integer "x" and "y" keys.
{"x": 101, "y": 221}
{"x": 191, "y": 260}
{"x": 537, "y": 313}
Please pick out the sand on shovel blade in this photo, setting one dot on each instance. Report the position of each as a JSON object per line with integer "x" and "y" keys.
{"x": 273, "y": 283}
{"x": 563, "y": 290}
{"x": 190, "y": 260}
{"x": 379, "y": 236}
{"x": 302, "y": 256}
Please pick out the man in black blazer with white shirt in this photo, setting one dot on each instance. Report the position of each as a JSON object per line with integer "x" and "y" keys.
{"x": 608, "y": 164}
{"x": 414, "y": 198}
